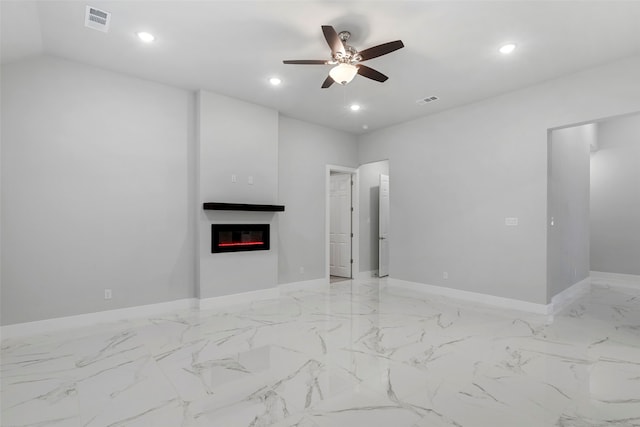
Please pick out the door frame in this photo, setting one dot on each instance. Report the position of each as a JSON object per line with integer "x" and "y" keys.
{"x": 355, "y": 218}
{"x": 380, "y": 225}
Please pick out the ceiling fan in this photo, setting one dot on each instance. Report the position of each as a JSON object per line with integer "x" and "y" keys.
{"x": 347, "y": 60}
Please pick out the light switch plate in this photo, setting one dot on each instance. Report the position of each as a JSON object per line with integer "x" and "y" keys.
{"x": 511, "y": 221}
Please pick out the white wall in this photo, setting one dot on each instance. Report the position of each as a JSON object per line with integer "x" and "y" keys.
{"x": 568, "y": 206}
{"x": 304, "y": 151}
{"x": 236, "y": 138}
{"x": 615, "y": 197}
{"x": 96, "y": 190}
{"x": 369, "y": 185}
{"x": 458, "y": 174}
{"x": 99, "y": 189}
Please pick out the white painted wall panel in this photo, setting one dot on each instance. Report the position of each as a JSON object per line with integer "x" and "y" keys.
{"x": 96, "y": 179}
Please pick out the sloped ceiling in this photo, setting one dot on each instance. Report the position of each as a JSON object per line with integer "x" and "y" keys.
{"x": 233, "y": 47}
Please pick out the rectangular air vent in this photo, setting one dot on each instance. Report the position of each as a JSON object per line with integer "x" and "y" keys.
{"x": 97, "y": 19}
{"x": 427, "y": 100}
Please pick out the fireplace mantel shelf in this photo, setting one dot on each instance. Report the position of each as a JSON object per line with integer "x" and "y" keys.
{"x": 216, "y": 206}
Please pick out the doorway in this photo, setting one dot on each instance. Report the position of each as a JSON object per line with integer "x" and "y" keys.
{"x": 593, "y": 203}
{"x": 341, "y": 223}
{"x": 374, "y": 218}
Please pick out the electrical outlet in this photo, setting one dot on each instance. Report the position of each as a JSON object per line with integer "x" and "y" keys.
{"x": 301, "y": 270}
{"x": 445, "y": 275}
{"x": 107, "y": 294}
{"x": 250, "y": 180}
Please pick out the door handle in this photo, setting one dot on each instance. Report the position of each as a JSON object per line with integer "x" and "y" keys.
{"x": 382, "y": 238}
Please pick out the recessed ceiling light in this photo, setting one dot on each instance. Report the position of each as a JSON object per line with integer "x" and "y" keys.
{"x": 507, "y": 48}
{"x": 354, "y": 107}
{"x": 275, "y": 81}
{"x": 146, "y": 37}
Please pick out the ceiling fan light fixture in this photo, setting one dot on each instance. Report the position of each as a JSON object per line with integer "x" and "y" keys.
{"x": 347, "y": 59}
{"x": 343, "y": 73}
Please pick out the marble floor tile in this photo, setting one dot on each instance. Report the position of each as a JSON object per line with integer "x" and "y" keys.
{"x": 353, "y": 353}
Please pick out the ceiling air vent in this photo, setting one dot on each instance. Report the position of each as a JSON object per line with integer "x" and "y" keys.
{"x": 97, "y": 19}
{"x": 427, "y": 100}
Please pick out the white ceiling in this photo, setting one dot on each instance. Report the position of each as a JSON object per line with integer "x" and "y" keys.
{"x": 233, "y": 47}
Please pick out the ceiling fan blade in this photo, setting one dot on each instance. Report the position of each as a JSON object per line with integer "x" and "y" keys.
{"x": 327, "y": 82}
{"x": 332, "y": 38}
{"x": 305, "y": 61}
{"x": 381, "y": 49}
{"x": 370, "y": 73}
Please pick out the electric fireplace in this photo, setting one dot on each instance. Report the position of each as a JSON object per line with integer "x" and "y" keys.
{"x": 239, "y": 237}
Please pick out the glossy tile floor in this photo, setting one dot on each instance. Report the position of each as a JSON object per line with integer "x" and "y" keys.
{"x": 355, "y": 354}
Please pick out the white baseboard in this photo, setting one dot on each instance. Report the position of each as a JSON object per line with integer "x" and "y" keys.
{"x": 558, "y": 302}
{"x": 303, "y": 285}
{"x": 569, "y": 295}
{"x": 366, "y": 274}
{"x": 601, "y": 278}
{"x": 236, "y": 299}
{"x": 507, "y": 303}
{"x": 80, "y": 320}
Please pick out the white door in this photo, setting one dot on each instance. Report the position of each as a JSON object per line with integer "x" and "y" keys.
{"x": 340, "y": 225}
{"x": 383, "y": 234}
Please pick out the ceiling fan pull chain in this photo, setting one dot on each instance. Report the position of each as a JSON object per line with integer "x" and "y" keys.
{"x": 344, "y": 95}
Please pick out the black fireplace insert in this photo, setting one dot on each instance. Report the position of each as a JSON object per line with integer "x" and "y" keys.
{"x": 239, "y": 237}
